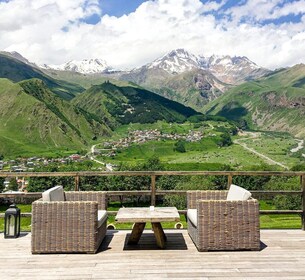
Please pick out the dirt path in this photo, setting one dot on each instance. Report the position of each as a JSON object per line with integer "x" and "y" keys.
{"x": 299, "y": 147}
{"x": 266, "y": 158}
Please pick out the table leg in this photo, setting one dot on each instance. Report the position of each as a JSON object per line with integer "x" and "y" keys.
{"x": 159, "y": 235}
{"x": 136, "y": 233}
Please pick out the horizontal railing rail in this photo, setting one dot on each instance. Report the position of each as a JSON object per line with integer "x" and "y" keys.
{"x": 153, "y": 192}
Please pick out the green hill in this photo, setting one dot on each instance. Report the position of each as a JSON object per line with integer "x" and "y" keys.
{"x": 127, "y": 104}
{"x": 16, "y": 71}
{"x": 275, "y": 102}
{"x": 35, "y": 120}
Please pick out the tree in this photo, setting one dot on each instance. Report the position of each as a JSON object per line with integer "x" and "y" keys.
{"x": 13, "y": 185}
{"x": 1, "y": 184}
{"x": 225, "y": 140}
{"x": 180, "y": 146}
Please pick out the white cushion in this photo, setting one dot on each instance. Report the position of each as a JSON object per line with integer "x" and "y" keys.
{"x": 54, "y": 194}
{"x": 101, "y": 217}
{"x": 192, "y": 216}
{"x": 238, "y": 193}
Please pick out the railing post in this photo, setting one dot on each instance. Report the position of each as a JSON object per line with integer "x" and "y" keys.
{"x": 76, "y": 188}
{"x": 303, "y": 200}
{"x": 153, "y": 190}
{"x": 230, "y": 178}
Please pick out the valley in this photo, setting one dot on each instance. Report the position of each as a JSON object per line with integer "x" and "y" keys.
{"x": 192, "y": 112}
{"x": 260, "y": 149}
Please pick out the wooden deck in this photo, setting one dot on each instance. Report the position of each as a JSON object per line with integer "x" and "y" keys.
{"x": 282, "y": 257}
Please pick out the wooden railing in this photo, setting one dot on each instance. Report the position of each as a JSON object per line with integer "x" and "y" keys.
{"x": 153, "y": 192}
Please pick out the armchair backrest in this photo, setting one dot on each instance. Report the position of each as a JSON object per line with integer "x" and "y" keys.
{"x": 99, "y": 196}
{"x": 56, "y": 194}
{"x": 194, "y": 196}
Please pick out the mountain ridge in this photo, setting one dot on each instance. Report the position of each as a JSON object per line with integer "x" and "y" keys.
{"x": 275, "y": 102}
{"x": 16, "y": 70}
{"x": 129, "y": 104}
{"x": 174, "y": 62}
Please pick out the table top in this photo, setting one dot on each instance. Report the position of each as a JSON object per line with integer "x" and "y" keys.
{"x": 145, "y": 214}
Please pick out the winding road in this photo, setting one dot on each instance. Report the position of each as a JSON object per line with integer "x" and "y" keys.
{"x": 91, "y": 154}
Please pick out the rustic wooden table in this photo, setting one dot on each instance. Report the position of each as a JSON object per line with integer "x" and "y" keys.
{"x": 140, "y": 216}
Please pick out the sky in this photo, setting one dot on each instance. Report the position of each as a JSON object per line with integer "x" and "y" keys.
{"x": 131, "y": 33}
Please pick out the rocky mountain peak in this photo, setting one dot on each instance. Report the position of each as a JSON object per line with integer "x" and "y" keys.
{"x": 176, "y": 61}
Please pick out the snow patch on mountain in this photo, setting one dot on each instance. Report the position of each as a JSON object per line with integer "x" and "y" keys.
{"x": 86, "y": 66}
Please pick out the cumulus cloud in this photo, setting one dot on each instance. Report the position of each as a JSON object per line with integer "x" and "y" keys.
{"x": 55, "y": 31}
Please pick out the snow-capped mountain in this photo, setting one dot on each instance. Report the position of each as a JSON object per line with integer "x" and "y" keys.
{"x": 227, "y": 69}
{"x": 176, "y": 61}
{"x": 86, "y": 66}
{"x": 231, "y": 70}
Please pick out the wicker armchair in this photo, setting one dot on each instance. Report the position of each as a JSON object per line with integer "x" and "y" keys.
{"x": 215, "y": 223}
{"x": 75, "y": 225}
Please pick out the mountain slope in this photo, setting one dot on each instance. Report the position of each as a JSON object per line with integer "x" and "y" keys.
{"x": 131, "y": 104}
{"x": 194, "y": 88}
{"x": 33, "y": 119}
{"x": 16, "y": 71}
{"x": 275, "y": 102}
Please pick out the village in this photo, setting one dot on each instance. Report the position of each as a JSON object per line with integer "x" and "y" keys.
{"x": 109, "y": 150}
{"x": 141, "y": 136}
{"x": 29, "y": 164}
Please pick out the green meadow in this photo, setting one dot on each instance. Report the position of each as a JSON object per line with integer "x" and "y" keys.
{"x": 206, "y": 152}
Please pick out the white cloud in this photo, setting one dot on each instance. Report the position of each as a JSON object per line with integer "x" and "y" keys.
{"x": 52, "y": 31}
{"x": 259, "y": 10}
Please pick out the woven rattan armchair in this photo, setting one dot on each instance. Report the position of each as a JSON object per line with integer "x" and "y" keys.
{"x": 75, "y": 225}
{"x": 215, "y": 223}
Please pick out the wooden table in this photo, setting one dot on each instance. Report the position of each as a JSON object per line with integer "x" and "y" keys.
{"x": 140, "y": 216}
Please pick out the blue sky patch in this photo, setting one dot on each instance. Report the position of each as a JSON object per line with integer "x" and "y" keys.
{"x": 119, "y": 8}
{"x": 291, "y": 18}
{"x": 93, "y": 19}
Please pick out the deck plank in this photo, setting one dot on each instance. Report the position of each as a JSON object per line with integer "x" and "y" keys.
{"x": 282, "y": 257}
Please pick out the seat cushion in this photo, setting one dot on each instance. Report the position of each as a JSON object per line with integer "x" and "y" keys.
{"x": 192, "y": 216}
{"x": 238, "y": 193}
{"x": 101, "y": 217}
{"x": 54, "y": 194}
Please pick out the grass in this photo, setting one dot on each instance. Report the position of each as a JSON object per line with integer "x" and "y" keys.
{"x": 275, "y": 146}
{"x": 281, "y": 221}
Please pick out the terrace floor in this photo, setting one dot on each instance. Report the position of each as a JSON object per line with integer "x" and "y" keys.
{"x": 282, "y": 257}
